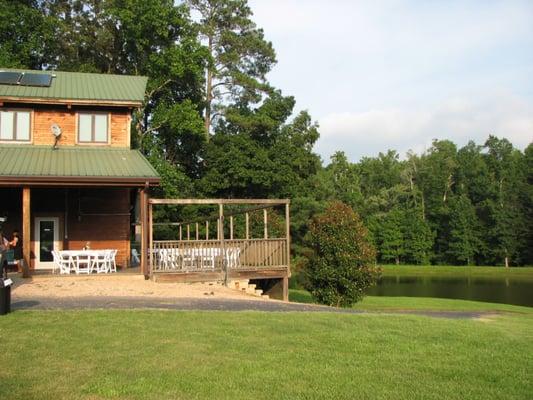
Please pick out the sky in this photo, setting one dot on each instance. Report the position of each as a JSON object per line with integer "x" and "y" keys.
{"x": 379, "y": 75}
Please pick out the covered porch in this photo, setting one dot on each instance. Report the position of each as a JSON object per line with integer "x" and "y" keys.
{"x": 70, "y": 198}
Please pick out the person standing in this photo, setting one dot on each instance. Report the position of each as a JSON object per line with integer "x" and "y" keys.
{"x": 16, "y": 245}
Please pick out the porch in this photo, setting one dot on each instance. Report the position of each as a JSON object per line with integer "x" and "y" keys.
{"x": 60, "y": 219}
{"x": 234, "y": 239}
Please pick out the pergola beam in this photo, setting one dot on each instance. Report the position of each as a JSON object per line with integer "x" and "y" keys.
{"x": 219, "y": 201}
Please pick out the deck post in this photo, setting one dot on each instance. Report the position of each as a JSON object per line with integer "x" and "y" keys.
{"x": 197, "y": 232}
{"x": 181, "y": 232}
{"x": 188, "y": 232}
{"x": 144, "y": 231}
{"x": 247, "y": 216}
{"x": 221, "y": 238}
{"x": 26, "y": 230}
{"x": 151, "y": 237}
{"x": 206, "y": 230}
{"x": 231, "y": 227}
{"x": 286, "y": 289}
{"x": 288, "y": 237}
{"x": 265, "y": 222}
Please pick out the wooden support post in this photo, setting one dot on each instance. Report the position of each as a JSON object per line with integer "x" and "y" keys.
{"x": 206, "y": 230}
{"x": 286, "y": 289}
{"x": 221, "y": 238}
{"x": 26, "y": 231}
{"x": 247, "y": 217}
{"x": 288, "y": 237}
{"x": 231, "y": 228}
{"x": 151, "y": 238}
{"x": 188, "y": 232}
{"x": 197, "y": 232}
{"x": 181, "y": 232}
{"x": 144, "y": 231}
{"x": 265, "y": 222}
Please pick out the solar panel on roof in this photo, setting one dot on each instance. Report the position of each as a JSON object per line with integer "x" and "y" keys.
{"x": 9, "y": 77}
{"x": 29, "y": 79}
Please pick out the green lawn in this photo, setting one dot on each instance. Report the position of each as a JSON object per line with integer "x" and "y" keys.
{"x": 458, "y": 271}
{"x": 384, "y": 303}
{"x": 254, "y": 355}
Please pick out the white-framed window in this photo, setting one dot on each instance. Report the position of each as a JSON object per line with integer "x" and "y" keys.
{"x": 93, "y": 127}
{"x": 15, "y": 125}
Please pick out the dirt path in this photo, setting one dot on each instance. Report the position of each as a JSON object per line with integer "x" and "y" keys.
{"x": 117, "y": 285}
{"x": 133, "y": 292}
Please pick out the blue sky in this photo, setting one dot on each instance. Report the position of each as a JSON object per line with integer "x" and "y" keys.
{"x": 380, "y": 75}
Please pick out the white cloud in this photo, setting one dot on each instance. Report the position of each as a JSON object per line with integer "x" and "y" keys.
{"x": 458, "y": 119}
{"x": 397, "y": 73}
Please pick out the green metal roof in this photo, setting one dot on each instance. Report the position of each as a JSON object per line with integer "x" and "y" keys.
{"x": 77, "y": 86}
{"x": 26, "y": 163}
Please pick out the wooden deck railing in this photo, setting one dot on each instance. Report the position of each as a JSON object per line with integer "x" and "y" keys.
{"x": 218, "y": 255}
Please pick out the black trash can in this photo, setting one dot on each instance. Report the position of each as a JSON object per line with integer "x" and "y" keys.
{"x": 5, "y": 298}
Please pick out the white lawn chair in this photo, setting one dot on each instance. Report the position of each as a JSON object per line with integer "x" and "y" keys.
{"x": 100, "y": 263}
{"x": 83, "y": 264}
{"x": 65, "y": 266}
{"x": 135, "y": 258}
{"x": 111, "y": 259}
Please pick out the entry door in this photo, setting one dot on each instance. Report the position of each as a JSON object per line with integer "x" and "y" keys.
{"x": 46, "y": 241}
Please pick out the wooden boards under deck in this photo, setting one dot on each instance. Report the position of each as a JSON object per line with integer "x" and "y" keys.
{"x": 218, "y": 275}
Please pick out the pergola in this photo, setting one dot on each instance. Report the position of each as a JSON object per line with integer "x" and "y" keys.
{"x": 197, "y": 256}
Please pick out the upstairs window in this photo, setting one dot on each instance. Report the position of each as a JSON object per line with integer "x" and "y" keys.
{"x": 92, "y": 128}
{"x": 15, "y": 125}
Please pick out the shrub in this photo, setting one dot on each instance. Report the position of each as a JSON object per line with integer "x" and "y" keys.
{"x": 343, "y": 264}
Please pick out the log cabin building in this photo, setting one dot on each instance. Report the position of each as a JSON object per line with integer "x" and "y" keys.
{"x": 70, "y": 179}
{"x": 68, "y": 176}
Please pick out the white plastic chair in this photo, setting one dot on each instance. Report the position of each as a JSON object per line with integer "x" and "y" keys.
{"x": 59, "y": 262}
{"x": 112, "y": 255}
{"x": 100, "y": 263}
{"x": 135, "y": 258}
{"x": 83, "y": 264}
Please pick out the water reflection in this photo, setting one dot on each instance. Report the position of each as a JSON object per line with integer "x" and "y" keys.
{"x": 494, "y": 290}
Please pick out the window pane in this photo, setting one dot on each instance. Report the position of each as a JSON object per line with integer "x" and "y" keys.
{"x": 6, "y": 125}
{"x": 84, "y": 128}
{"x": 23, "y": 125}
{"x": 100, "y": 127}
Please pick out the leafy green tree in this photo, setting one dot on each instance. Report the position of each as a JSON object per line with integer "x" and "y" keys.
{"x": 344, "y": 178}
{"x": 418, "y": 237}
{"x": 240, "y": 55}
{"x": 343, "y": 264}
{"x": 505, "y": 209}
{"x": 464, "y": 240}
{"x": 391, "y": 236}
{"x": 26, "y": 35}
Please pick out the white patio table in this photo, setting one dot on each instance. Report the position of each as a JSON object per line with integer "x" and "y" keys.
{"x": 88, "y": 261}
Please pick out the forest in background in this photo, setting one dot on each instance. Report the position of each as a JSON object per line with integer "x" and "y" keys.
{"x": 213, "y": 126}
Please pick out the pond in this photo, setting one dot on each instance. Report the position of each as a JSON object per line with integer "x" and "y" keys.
{"x": 516, "y": 291}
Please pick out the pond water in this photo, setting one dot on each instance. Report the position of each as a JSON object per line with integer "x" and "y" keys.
{"x": 495, "y": 290}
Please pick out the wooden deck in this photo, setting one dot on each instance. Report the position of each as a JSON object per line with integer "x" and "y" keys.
{"x": 197, "y": 257}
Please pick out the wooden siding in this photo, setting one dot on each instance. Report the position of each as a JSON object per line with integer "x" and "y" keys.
{"x": 42, "y": 119}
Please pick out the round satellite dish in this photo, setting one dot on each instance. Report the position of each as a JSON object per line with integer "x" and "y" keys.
{"x": 56, "y": 130}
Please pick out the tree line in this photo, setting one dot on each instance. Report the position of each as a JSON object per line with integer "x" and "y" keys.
{"x": 213, "y": 126}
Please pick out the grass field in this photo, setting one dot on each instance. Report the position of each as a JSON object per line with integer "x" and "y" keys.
{"x": 384, "y": 303}
{"x": 225, "y": 355}
{"x": 458, "y": 271}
